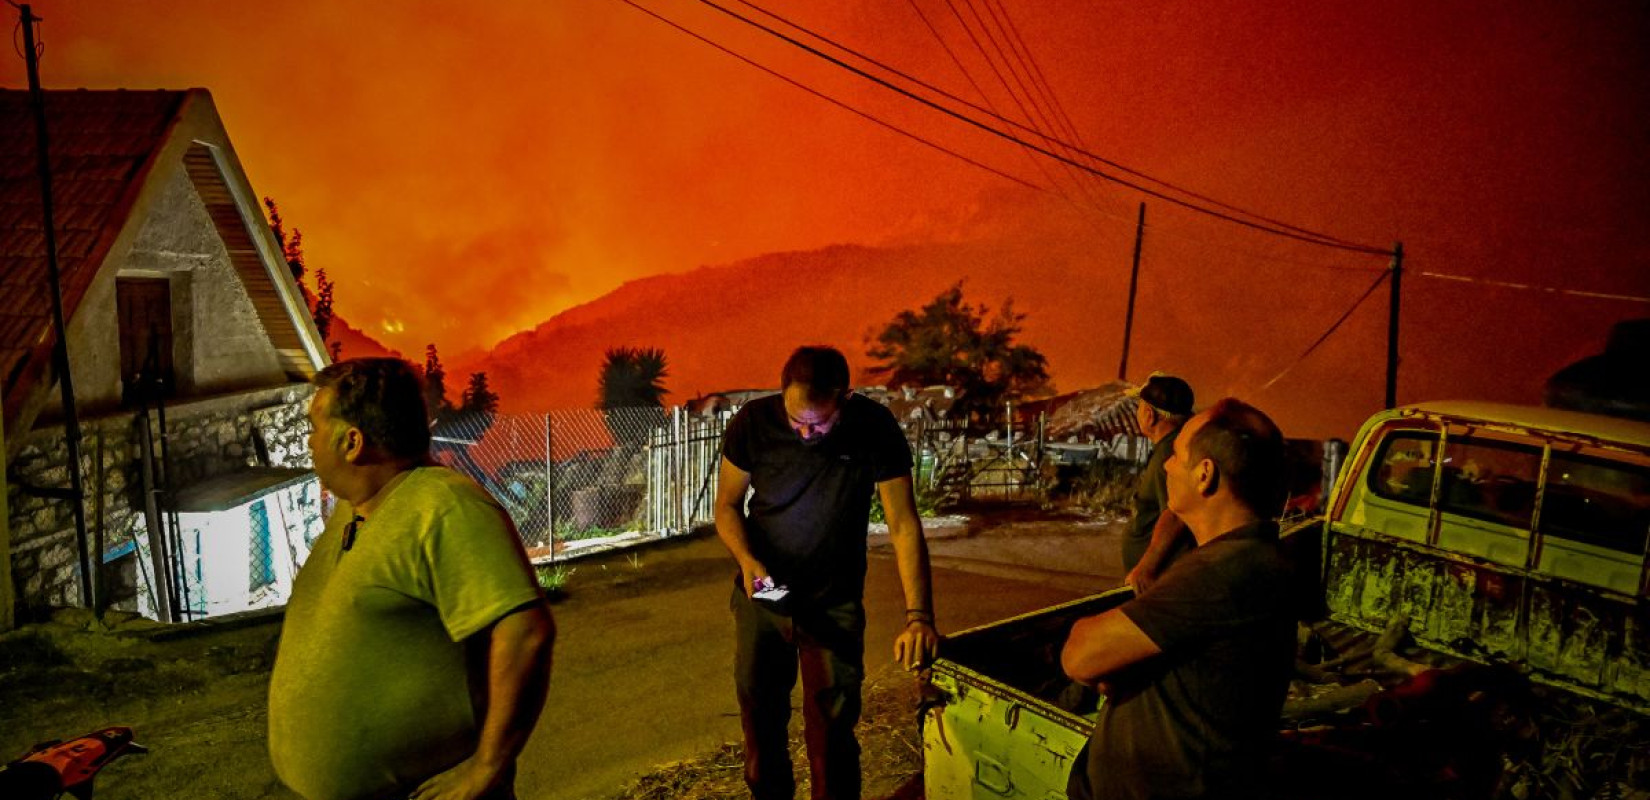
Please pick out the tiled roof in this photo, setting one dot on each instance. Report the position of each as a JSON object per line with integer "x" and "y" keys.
{"x": 101, "y": 144}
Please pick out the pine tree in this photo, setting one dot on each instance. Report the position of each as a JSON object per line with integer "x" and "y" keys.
{"x": 478, "y": 397}
{"x": 292, "y": 248}
{"x": 323, "y": 304}
{"x": 319, "y": 301}
{"x": 435, "y": 385}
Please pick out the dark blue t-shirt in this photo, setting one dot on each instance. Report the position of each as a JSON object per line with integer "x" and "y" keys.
{"x": 807, "y": 517}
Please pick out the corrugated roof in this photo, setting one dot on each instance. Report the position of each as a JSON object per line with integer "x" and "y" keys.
{"x": 102, "y": 144}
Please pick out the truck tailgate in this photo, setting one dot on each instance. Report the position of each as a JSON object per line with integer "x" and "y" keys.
{"x": 1006, "y": 722}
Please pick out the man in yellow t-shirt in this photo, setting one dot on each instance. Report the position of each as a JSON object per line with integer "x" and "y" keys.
{"x": 415, "y": 655}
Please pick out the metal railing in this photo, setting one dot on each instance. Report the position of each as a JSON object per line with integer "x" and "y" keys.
{"x": 682, "y": 463}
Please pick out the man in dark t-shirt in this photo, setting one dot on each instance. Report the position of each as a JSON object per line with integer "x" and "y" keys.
{"x": 1156, "y": 537}
{"x": 811, "y": 457}
{"x": 1194, "y": 670}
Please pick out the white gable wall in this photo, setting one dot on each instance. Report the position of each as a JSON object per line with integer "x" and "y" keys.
{"x": 219, "y": 344}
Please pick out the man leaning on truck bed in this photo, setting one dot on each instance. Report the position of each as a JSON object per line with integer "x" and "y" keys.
{"x": 1195, "y": 669}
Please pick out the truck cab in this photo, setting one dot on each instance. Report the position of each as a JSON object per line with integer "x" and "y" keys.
{"x": 1503, "y": 533}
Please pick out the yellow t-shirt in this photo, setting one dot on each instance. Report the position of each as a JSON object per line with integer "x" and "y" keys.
{"x": 370, "y": 693}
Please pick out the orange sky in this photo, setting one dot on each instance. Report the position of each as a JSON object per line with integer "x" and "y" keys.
{"x": 465, "y": 172}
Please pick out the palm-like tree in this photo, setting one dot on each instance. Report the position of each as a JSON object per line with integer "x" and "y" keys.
{"x": 632, "y": 377}
{"x": 631, "y": 392}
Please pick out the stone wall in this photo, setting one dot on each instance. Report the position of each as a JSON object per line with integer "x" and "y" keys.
{"x": 205, "y": 437}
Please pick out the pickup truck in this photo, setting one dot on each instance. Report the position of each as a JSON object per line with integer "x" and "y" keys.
{"x": 1494, "y": 534}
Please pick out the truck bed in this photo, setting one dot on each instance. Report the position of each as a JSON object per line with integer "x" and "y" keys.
{"x": 1008, "y": 722}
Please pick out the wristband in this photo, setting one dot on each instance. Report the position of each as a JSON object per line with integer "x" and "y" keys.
{"x": 918, "y": 615}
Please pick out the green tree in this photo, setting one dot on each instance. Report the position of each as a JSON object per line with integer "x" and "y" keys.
{"x": 292, "y": 248}
{"x": 435, "y": 385}
{"x": 955, "y": 343}
{"x": 321, "y": 309}
{"x": 478, "y": 397}
{"x": 318, "y": 300}
{"x": 631, "y": 392}
{"x": 632, "y": 377}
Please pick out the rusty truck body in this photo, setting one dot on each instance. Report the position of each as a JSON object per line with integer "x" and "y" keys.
{"x": 1501, "y": 534}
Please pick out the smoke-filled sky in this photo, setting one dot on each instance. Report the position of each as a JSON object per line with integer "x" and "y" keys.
{"x": 464, "y": 172}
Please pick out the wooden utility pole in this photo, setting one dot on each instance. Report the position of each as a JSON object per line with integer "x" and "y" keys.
{"x": 1134, "y": 281}
{"x": 71, "y": 422}
{"x": 1392, "y": 326}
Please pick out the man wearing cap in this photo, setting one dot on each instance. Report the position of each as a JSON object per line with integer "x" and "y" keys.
{"x": 1156, "y": 537}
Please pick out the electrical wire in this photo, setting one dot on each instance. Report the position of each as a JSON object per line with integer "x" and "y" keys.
{"x": 1171, "y": 232}
{"x": 1178, "y": 232}
{"x": 1051, "y": 111}
{"x": 1326, "y": 334}
{"x": 834, "y": 101}
{"x": 1068, "y": 128}
{"x": 1271, "y": 225}
{"x": 1036, "y": 163}
{"x": 1549, "y": 289}
{"x": 1032, "y": 116}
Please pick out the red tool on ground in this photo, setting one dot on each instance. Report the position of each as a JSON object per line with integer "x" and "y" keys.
{"x": 51, "y": 768}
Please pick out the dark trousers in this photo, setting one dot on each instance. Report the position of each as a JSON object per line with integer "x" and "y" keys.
{"x": 827, "y": 643}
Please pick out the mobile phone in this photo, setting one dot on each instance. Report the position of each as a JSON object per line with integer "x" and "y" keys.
{"x": 766, "y": 589}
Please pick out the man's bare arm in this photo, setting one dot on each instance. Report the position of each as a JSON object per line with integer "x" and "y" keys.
{"x": 917, "y": 644}
{"x": 519, "y": 649}
{"x": 1165, "y": 531}
{"x": 731, "y": 485}
{"x": 1101, "y": 645}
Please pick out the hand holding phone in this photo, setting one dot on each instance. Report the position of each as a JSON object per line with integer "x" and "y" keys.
{"x": 764, "y": 588}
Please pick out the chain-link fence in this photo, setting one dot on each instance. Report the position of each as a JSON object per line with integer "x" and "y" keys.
{"x": 564, "y": 476}
{"x": 580, "y": 474}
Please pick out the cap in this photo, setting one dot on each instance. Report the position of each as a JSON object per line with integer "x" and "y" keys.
{"x": 1166, "y": 393}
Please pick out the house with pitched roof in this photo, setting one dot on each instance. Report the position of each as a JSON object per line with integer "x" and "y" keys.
{"x": 190, "y": 349}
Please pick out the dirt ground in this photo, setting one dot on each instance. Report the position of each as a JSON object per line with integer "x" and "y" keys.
{"x": 641, "y": 698}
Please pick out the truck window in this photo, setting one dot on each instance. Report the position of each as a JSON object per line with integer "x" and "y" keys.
{"x": 1597, "y": 501}
{"x": 1489, "y": 480}
{"x": 1403, "y": 469}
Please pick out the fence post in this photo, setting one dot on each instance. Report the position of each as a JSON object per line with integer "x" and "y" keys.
{"x": 549, "y": 488}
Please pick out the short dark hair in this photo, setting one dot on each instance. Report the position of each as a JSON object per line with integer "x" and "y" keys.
{"x": 1247, "y": 448}
{"x": 384, "y": 398}
{"x": 824, "y": 370}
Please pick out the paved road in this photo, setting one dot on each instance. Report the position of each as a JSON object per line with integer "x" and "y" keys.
{"x": 643, "y": 663}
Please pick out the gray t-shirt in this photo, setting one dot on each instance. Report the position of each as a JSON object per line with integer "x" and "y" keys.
{"x": 1196, "y": 721}
{"x": 371, "y": 692}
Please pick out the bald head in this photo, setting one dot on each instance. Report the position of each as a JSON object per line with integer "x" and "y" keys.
{"x": 1246, "y": 450}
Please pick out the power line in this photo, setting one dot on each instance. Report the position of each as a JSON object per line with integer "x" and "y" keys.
{"x": 1033, "y": 115}
{"x": 1271, "y": 226}
{"x": 1053, "y": 114}
{"x": 836, "y": 102}
{"x": 1171, "y": 232}
{"x": 1532, "y": 287}
{"x": 992, "y": 112}
{"x": 1068, "y": 127}
{"x": 1036, "y": 163}
{"x": 1326, "y": 334}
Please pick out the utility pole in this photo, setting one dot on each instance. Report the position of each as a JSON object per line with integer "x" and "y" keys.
{"x": 1392, "y": 326}
{"x": 71, "y": 422}
{"x": 1134, "y": 281}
